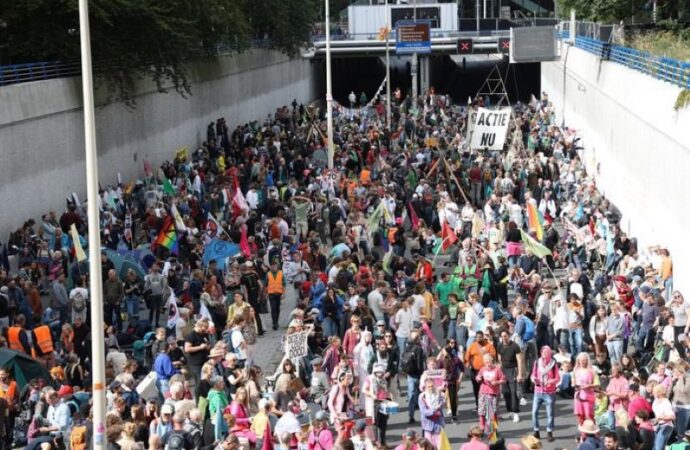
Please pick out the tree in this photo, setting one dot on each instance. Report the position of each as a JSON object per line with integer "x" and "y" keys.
{"x": 605, "y": 11}
{"x": 158, "y": 40}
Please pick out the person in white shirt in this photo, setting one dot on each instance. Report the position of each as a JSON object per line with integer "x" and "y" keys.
{"x": 375, "y": 300}
{"x": 252, "y": 198}
{"x": 404, "y": 320}
{"x": 515, "y": 213}
{"x": 561, "y": 320}
{"x": 239, "y": 345}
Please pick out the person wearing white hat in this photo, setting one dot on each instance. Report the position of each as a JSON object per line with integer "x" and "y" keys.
{"x": 590, "y": 441}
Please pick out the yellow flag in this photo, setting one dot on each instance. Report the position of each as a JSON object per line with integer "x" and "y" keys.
{"x": 182, "y": 153}
{"x": 477, "y": 226}
{"x": 78, "y": 251}
{"x": 443, "y": 442}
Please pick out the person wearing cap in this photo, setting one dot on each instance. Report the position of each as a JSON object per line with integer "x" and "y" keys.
{"x": 409, "y": 441}
{"x": 320, "y": 437}
{"x": 375, "y": 390}
{"x": 360, "y": 440}
{"x": 162, "y": 425}
{"x": 320, "y": 383}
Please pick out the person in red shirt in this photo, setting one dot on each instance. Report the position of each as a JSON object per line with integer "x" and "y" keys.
{"x": 637, "y": 402}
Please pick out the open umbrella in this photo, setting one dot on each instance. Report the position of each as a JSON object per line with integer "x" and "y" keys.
{"x": 22, "y": 367}
{"x": 115, "y": 258}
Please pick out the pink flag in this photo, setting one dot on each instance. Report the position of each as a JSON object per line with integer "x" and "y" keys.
{"x": 268, "y": 438}
{"x": 148, "y": 171}
{"x": 244, "y": 242}
{"x": 414, "y": 218}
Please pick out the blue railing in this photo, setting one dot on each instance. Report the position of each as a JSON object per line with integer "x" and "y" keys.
{"x": 21, "y": 73}
{"x": 660, "y": 67}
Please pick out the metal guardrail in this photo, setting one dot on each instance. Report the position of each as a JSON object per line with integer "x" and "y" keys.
{"x": 660, "y": 67}
{"x": 21, "y": 73}
{"x": 434, "y": 34}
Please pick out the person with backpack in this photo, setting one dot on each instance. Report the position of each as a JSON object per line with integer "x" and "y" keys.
{"x": 545, "y": 376}
{"x": 412, "y": 364}
{"x": 177, "y": 438}
{"x": 155, "y": 283}
{"x": 320, "y": 437}
{"x": 524, "y": 335}
{"x": 78, "y": 298}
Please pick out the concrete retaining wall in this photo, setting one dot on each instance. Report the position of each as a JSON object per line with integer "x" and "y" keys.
{"x": 636, "y": 145}
{"x": 42, "y": 128}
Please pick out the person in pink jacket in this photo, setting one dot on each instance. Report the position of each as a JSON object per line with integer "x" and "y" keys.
{"x": 491, "y": 378}
{"x": 239, "y": 408}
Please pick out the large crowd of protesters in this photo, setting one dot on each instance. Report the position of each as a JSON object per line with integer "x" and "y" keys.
{"x": 413, "y": 264}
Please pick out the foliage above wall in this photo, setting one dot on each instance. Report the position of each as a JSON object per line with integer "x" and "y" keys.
{"x": 151, "y": 39}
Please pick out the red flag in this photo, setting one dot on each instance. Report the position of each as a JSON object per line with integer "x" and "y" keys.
{"x": 147, "y": 168}
{"x": 448, "y": 236}
{"x": 268, "y": 438}
{"x": 244, "y": 242}
{"x": 414, "y": 218}
{"x": 239, "y": 203}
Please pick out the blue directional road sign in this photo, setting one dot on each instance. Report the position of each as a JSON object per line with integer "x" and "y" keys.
{"x": 413, "y": 37}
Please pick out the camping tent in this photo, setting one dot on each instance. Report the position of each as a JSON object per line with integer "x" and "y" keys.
{"x": 22, "y": 367}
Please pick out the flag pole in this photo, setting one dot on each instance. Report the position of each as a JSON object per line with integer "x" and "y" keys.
{"x": 96, "y": 294}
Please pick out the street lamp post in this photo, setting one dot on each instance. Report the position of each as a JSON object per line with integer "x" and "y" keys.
{"x": 96, "y": 294}
{"x": 388, "y": 68}
{"x": 329, "y": 90}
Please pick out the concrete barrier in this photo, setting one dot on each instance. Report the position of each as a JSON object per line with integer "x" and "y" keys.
{"x": 636, "y": 146}
{"x": 42, "y": 137}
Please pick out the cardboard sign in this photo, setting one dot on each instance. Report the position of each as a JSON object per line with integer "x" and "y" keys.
{"x": 490, "y": 129}
{"x": 438, "y": 376}
{"x": 296, "y": 345}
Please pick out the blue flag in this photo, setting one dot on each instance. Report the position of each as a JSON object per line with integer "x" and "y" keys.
{"x": 219, "y": 250}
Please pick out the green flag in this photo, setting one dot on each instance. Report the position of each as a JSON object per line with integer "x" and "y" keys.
{"x": 374, "y": 220}
{"x": 533, "y": 246}
{"x": 168, "y": 187}
{"x": 387, "y": 261}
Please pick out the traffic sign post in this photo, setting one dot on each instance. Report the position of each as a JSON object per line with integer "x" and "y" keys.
{"x": 413, "y": 37}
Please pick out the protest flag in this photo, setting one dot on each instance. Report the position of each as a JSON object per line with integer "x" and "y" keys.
{"x": 535, "y": 220}
{"x": 167, "y": 236}
{"x": 76, "y": 240}
{"x": 536, "y": 248}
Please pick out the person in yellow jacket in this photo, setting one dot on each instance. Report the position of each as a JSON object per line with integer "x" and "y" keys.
{"x": 275, "y": 288}
{"x": 43, "y": 345}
